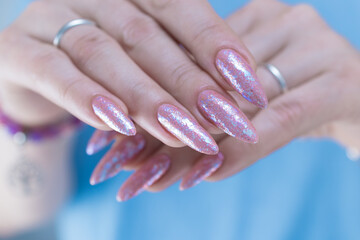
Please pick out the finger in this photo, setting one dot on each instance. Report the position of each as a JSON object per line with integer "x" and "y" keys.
{"x": 50, "y": 73}
{"x": 255, "y": 14}
{"x": 302, "y": 109}
{"x": 271, "y": 36}
{"x": 182, "y": 162}
{"x": 99, "y": 140}
{"x": 291, "y": 102}
{"x": 202, "y": 169}
{"x": 160, "y": 56}
{"x": 295, "y": 72}
{"x": 270, "y": 43}
{"x": 212, "y": 43}
{"x": 127, "y": 152}
{"x": 145, "y": 176}
{"x": 91, "y": 49}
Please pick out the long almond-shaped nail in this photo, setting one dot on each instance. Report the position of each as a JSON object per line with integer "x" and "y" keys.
{"x": 99, "y": 140}
{"x": 202, "y": 169}
{"x": 118, "y": 156}
{"x": 113, "y": 116}
{"x": 144, "y": 177}
{"x": 186, "y": 129}
{"x": 238, "y": 73}
{"x": 226, "y": 116}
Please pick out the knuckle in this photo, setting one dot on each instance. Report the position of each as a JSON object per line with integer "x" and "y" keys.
{"x": 288, "y": 113}
{"x": 161, "y": 4}
{"x": 48, "y": 57}
{"x": 137, "y": 30}
{"x": 90, "y": 46}
{"x": 8, "y": 36}
{"x": 139, "y": 90}
{"x": 180, "y": 75}
{"x": 36, "y": 7}
{"x": 303, "y": 13}
{"x": 207, "y": 30}
{"x": 303, "y": 9}
{"x": 72, "y": 87}
{"x": 262, "y": 4}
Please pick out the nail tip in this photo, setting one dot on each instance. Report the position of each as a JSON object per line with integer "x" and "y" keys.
{"x": 185, "y": 186}
{"x": 89, "y": 151}
{"x": 210, "y": 152}
{"x": 121, "y": 198}
{"x": 132, "y": 133}
{"x": 263, "y": 104}
{"x": 172, "y": 119}
{"x": 256, "y": 139}
{"x": 112, "y": 115}
{"x": 92, "y": 182}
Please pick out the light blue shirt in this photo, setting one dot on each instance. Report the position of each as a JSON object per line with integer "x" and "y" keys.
{"x": 307, "y": 190}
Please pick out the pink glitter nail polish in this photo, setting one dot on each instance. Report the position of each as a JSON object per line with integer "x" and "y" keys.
{"x": 99, "y": 140}
{"x": 113, "y": 116}
{"x": 241, "y": 77}
{"x": 118, "y": 156}
{"x": 186, "y": 129}
{"x": 226, "y": 116}
{"x": 202, "y": 169}
{"x": 144, "y": 177}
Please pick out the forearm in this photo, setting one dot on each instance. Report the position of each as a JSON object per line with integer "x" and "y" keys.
{"x": 26, "y": 203}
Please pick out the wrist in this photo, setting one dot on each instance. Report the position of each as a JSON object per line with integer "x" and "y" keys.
{"x": 28, "y": 108}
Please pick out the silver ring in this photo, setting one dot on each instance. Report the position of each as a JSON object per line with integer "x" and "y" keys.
{"x": 69, "y": 25}
{"x": 278, "y": 76}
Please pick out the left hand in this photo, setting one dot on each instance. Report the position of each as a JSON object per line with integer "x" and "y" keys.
{"x": 321, "y": 69}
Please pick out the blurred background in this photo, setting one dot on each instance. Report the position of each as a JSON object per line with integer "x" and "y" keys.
{"x": 307, "y": 190}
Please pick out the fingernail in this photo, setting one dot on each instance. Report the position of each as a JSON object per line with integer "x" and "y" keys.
{"x": 99, "y": 140}
{"x": 144, "y": 177}
{"x": 113, "y": 116}
{"x": 238, "y": 73}
{"x": 186, "y": 129}
{"x": 226, "y": 116}
{"x": 203, "y": 168}
{"x": 118, "y": 156}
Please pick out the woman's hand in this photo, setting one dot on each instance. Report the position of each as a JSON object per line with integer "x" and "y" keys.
{"x": 129, "y": 66}
{"x": 322, "y": 73}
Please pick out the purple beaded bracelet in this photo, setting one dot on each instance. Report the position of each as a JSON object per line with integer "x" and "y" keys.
{"x": 38, "y": 134}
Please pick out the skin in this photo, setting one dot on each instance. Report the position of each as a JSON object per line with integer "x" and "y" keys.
{"x": 269, "y": 30}
{"x": 321, "y": 69}
{"x": 128, "y": 58}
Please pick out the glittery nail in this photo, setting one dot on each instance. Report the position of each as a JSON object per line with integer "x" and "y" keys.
{"x": 118, "y": 156}
{"x": 226, "y": 116}
{"x": 202, "y": 169}
{"x": 113, "y": 116}
{"x": 186, "y": 129}
{"x": 99, "y": 140}
{"x": 240, "y": 75}
{"x": 144, "y": 177}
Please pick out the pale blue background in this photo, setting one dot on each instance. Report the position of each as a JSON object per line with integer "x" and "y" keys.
{"x": 307, "y": 190}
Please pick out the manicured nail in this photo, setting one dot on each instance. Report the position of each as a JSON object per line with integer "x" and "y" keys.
{"x": 186, "y": 129}
{"x": 113, "y": 116}
{"x": 203, "y": 168}
{"x": 99, "y": 140}
{"x": 118, "y": 156}
{"x": 144, "y": 177}
{"x": 226, "y": 116}
{"x": 238, "y": 73}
